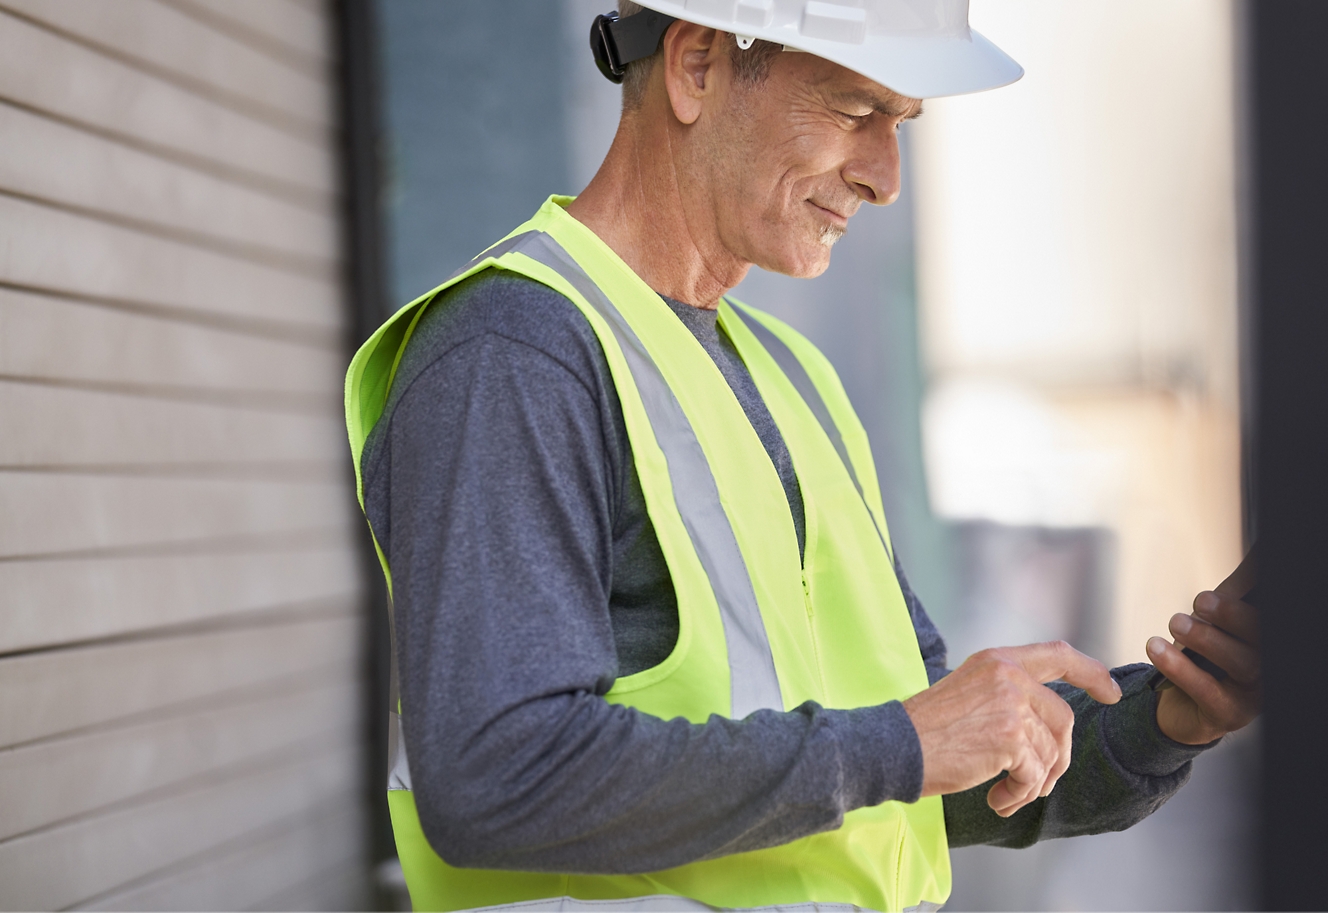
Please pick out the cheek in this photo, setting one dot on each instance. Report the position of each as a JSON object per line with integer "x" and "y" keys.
{"x": 806, "y": 160}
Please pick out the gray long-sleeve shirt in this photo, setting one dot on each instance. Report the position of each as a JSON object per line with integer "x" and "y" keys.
{"x": 527, "y": 578}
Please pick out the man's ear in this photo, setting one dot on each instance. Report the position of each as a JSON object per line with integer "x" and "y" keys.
{"x": 691, "y": 53}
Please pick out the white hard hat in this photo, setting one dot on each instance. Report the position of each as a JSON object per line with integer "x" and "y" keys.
{"x": 919, "y": 48}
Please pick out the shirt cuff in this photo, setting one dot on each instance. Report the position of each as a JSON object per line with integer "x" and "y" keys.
{"x": 881, "y": 755}
{"x": 1131, "y": 731}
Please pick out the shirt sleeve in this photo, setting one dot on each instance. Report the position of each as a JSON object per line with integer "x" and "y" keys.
{"x": 498, "y": 519}
{"x": 1122, "y": 767}
{"x": 930, "y": 641}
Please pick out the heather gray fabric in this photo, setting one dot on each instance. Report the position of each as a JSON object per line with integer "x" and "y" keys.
{"x": 705, "y": 327}
{"x": 527, "y": 576}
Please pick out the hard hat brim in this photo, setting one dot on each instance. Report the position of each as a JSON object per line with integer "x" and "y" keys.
{"x": 930, "y": 67}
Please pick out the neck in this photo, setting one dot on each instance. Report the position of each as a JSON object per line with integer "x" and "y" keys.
{"x": 648, "y": 205}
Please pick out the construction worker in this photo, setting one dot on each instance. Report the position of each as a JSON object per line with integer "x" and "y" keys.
{"x": 653, "y": 648}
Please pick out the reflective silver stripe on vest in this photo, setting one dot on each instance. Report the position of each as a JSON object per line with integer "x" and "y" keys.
{"x": 398, "y": 770}
{"x": 797, "y": 374}
{"x": 753, "y": 681}
{"x": 494, "y": 252}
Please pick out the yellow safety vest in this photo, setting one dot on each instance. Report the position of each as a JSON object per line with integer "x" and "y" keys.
{"x": 758, "y": 628}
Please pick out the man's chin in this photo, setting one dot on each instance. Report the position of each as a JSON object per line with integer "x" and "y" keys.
{"x": 807, "y": 262}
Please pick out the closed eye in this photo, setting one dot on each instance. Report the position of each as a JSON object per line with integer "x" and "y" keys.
{"x": 854, "y": 118}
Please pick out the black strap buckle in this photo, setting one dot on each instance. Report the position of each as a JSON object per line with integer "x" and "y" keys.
{"x": 617, "y": 42}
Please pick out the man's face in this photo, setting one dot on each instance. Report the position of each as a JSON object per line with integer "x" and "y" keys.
{"x": 792, "y": 158}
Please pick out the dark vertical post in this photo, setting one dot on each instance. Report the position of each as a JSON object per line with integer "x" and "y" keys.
{"x": 366, "y": 302}
{"x": 1287, "y": 71}
{"x": 360, "y": 106}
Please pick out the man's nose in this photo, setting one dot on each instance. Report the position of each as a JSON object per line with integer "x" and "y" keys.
{"x": 873, "y": 171}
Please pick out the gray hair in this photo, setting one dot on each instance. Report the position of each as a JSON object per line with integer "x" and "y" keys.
{"x": 750, "y": 66}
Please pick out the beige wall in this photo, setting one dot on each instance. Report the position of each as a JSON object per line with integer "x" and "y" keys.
{"x": 179, "y": 589}
{"x": 1077, "y": 275}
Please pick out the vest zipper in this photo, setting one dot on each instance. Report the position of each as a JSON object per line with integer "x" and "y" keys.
{"x": 811, "y": 630}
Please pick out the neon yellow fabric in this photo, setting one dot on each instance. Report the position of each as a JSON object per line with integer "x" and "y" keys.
{"x": 837, "y": 624}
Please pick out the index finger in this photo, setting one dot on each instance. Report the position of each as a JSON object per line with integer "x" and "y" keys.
{"x": 1057, "y": 659}
{"x": 1237, "y": 618}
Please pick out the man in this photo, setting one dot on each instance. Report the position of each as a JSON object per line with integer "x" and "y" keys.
{"x": 653, "y": 643}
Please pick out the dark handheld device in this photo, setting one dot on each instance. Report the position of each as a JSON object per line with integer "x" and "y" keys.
{"x": 617, "y": 42}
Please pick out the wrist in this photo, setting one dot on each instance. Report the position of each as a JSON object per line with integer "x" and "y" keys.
{"x": 1179, "y": 720}
{"x": 1133, "y": 737}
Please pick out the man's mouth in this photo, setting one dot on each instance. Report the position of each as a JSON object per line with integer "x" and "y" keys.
{"x": 835, "y": 218}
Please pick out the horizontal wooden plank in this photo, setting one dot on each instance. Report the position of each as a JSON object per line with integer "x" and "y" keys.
{"x": 344, "y": 887}
{"x": 46, "y": 337}
{"x": 182, "y": 48}
{"x": 295, "y": 33}
{"x": 47, "y": 603}
{"x": 49, "y": 73}
{"x": 321, "y": 847}
{"x": 48, "y": 426}
{"x": 63, "y": 866}
{"x": 61, "y": 251}
{"x": 64, "y": 691}
{"x": 62, "y": 779}
{"x": 56, "y": 162}
{"x": 54, "y": 514}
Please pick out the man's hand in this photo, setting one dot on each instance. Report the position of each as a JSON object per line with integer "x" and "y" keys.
{"x": 1224, "y": 630}
{"x": 994, "y": 714}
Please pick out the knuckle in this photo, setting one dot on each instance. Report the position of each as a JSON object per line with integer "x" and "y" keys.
{"x": 985, "y": 658}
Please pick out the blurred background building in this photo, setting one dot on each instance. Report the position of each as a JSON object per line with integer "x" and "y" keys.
{"x": 1040, "y": 337}
{"x": 1078, "y": 285}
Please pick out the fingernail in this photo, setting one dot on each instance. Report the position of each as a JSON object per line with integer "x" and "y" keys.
{"x": 1181, "y": 624}
{"x": 1206, "y": 602}
{"x": 1115, "y": 684}
{"x": 1156, "y": 646}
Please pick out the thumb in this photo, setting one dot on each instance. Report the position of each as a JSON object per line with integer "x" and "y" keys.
{"x": 1050, "y": 661}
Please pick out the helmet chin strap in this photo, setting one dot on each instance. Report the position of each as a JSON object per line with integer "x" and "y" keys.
{"x": 617, "y": 42}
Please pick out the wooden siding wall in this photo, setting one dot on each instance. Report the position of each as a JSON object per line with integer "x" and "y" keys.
{"x": 179, "y": 587}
